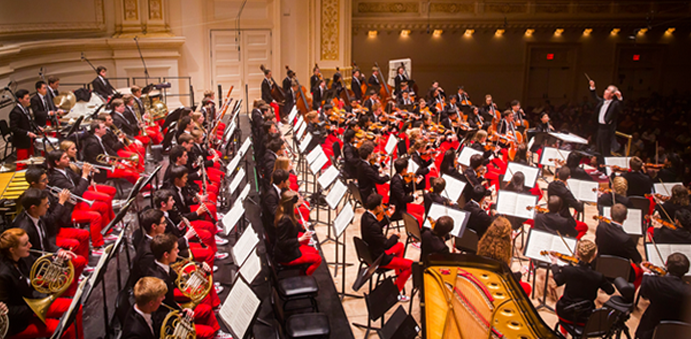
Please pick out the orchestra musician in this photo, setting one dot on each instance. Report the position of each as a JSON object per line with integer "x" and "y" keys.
{"x": 616, "y": 196}
{"x": 495, "y": 243}
{"x": 669, "y": 295}
{"x": 94, "y": 146}
{"x": 640, "y": 182}
{"x": 104, "y": 193}
{"x": 53, "y": 85}
{"x": 373, "y": 80}
{"x": 434, "y": 239}
{"x": 43, "y": 107}
{"x": 401, "y": 189}
{"x": 271, "y": 196}
{"x": 400, "y": 78}
{"x": 141, "y": 319}
{"x": 187, "y": 201}
{"x": 15, "y": 265}
{"x": 434, "y": 195}
{"x": 367, "y": 173}
{"x": 449, "y": 165}
{"x": 23, "y": 128}
{"x": 152, "y": 223}
{"x": 315, "y": 78}
{"x": 125, "y": 122}
{"x": 611, "y": 239}
{"x": 101, "y": 85}
{"x": 292, "y": 240}
{"x": 118, "y": 143}
{"x": 318, "y": 94}
{"x": 356, "y": 84}
{"x": 680, "y": 235}
{"x": 349, "y": 154}
{"x": 559, "y": 188}
{"x": 606, "y": 114}
{"x": 553, "y": 222}
{"x": 678, "y": 201}
{"x": 475, "y": 119}
{"x": 479, "y": 219}
{"x": 489, "y": 109}
{"x": 371, "y": 229}
{"x": 153, "y": 131}
{"x": 474, "y": 171}
{"x": 519, "y": 115}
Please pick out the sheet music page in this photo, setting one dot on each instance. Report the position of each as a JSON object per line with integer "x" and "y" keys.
{"x": 299, "y": 122}
{"x": 244, "y": 193}
{"x": 251, "y": 267}
{"x": 391, "y": 144}
{"x": 293, "y": 112}
{"x": 233, "y": 164}
{"x": 466, "y": 153}
{"x": 553, "y": 153}
{"x": 583, "y": 190}
{"x": 229, "y": 132}
{"x": 239, "y": 308}
{"x": 559, "y": 246}
{"x": 622, "y": 162}
{"x": 328, "y": 177}
{"x": 233, "y": 216}
{"x": 311, "y": 156}
{"x": 632, "y": 224}
{"x": 454, "y": 188}
{"x": 529, "y": 172}
{"x": 412, "y": 166}
{"x": 531, "y": 142}
{"x": 318, "y": 163}
{"x": 236, "y": 180}
{"x": 522, "y": 202}
{"x": 506, "y": 203}
{"x": 336, "y": 194}
{"x": 242, "y": 249}
{"x": 245, "y": 146}
{"x": 306, "y": 141}
{"x": 435, "y": 211}
{"x": 101, "y": 261}
{"x": 665, "y": 188}
{"x": 343, "y": 219}
{"x": 538, "y": 241}
{"x": 569, "y": 138}
{"x": 301, "y": 130}
{"x": 460, "y": 218}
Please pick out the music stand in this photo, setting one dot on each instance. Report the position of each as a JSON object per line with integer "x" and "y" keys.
{"x": 365, "y": 274}
{"x": 172, "y": 116}
{"x": 382, "y": 298}
{"x": 118, "y": 217}
{"x": 68, "y": 317}
{"x": 240, "y": 309}
{"x": 75, "y": 126}
{"x": 401, "y": 325}
{"x": 340, "y": 224}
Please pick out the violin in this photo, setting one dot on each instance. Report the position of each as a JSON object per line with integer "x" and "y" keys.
{"x": 409, "y": 177}
{"x": 616, "y": 168}
{"x": 563, "y": 257}
{"x": 558, "y": 162}
{"x": 663, "y": 222}
{"x": 601, "y": 218}
{"x": 654, "y": 166}
{"x": 383, "y": 213}
{"x": 658, "y": 196}
{"x": 538, "y": 209}
{"x": 432, "y": 222}
{"x": 656, "y": 269}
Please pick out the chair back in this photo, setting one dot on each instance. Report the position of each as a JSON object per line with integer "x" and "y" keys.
{"x": 336, "y": 147}
{"x": 612, "y": 266}
{"x": 672, "y": 329}
{"x": 468, "y": 241}
{"x": 123, "y": 304}
{"x": 5, "y": 129}
{"x": 412, "y": 226}
{"x": 599, "y": 323}
{"x": 643, "y": 204}
{"x": 355, "y": 192}
{"x": 625, "y": 288}
{"x": 363, "y": 253}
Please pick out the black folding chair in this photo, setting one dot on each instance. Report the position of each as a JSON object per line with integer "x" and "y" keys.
{"x": 468, "y": 241}
{"x": 412, "y": 229}
{"x": 672, "y": 329}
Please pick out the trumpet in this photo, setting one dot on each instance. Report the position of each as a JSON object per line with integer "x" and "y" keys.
{"x": 117, "y": 132}
{"x": 177, "y": 325}
{"x": 74, "y": 199}
{"x": 52, "y": 275}
{"x": 112, "y": 160}
{"x": 96, "y": 167}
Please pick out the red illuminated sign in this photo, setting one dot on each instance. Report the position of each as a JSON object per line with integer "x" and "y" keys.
{"x": 636, "y": 57}
{"x": 550, "y": 56}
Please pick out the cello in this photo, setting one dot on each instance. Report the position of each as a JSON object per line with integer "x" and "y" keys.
{"x": 346, "y": 94}
{"x": 302, "y": 102}
{"x": 276, "y": 92}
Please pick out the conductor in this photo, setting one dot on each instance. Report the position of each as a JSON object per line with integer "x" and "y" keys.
{"x": 606, "y": 114}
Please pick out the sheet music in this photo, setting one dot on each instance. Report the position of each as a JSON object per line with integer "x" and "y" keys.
{"x": 328, "y": 177}
{"x": 632, "y": 224}
{"x": 391, "y": 144}
{"x": 245, "y": 146}
{"x": 233, "y": 164}
{"x": 293, "y": 112}
{"x": 229, "y": 131}
{"x": 412, "y": 166}
{"x": 583, "y": 190}
{"x": 343, "y": 219}
{"x": 299, "y": 122}
{"x": 101, "y": 261}
{"x": 665, "y": 251}
{"x": 239, "y": 308}
{"x": 545, "y": 241}
{"x": 530, "y": 173}
{"x": 553, "y": 153}
{"x": 251, "y": 267}
{"x": 514, "y": 204}
{"x": 233, "y": 216}
{"x": 569, "y": 138}
{"x": 622, "y": 162}
{"x": 318, "y": 163}
{"x": 244, "y": 193}
{"x": 301, "y": 131}
{"x": 466, "y": 153}
{"x": 665, "y": 188}
{"x": 336, "y": 194}
{"x": 460, "y": 218}
{"x": 236, "y": 180}
{"x": 311, "y": 156}
{"x": 242, "y": 249}
{"x": 306, "y": 141}
{"x": 453, "y": 189}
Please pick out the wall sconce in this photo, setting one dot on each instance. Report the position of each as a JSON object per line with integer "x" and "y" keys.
{"x": 642, "y": 31}
{"x": 499, "y": 32}
{"x": 587, "y": 31}
{"x": 469, "y": 32}
{"x": 405, "y": 33}
{"x": 558, "y": 31}
{"x": 615, "y": 31}
{"x": 670, "y": 30}
{"x": 437, "y": 33}
{"x": 372, "y": 34}
{"x": 529, "y": 32}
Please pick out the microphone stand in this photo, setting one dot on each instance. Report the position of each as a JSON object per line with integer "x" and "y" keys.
{"x": 146, "y": 70}
{"x": 88, "y": 62}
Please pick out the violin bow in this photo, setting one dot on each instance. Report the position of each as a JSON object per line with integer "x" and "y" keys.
{"x": 657, "y": 250}
{"x": 565, "y": 244}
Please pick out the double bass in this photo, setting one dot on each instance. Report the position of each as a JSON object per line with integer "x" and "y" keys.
{"x": 302, "y": 102}
{"x": 363, "y": 85}
{"x": 385, "y": 90}
{"x": 276, "y": 91}
{"x": 346, "y": 94}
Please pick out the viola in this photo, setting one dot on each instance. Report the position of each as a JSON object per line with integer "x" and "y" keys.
{"x": 656, "y": 269}
{"x": 662, "y": 222}
{"x": 538, "y": 209}
{"x": 658, "y": 196}
{"x": 563, "y": 257}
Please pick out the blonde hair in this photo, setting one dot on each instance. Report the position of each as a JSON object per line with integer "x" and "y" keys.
{"x": 10, "y": 239}
{"x": 282, "y": 163}
{"x": 620, "y": 185}
{"x": 65, "y": 145}
{"x": 149, "y": 289}
{"x": 481, "y": 134}
{"x": 496, "y": 242}
{"x": 418, "y": 145}
{"x": 586, "y": 250}
{"x": 311, "y": 115}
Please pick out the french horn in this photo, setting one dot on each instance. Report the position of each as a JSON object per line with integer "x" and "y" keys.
{"x": 51, "y": 275}
{"x": 177, "y": 325}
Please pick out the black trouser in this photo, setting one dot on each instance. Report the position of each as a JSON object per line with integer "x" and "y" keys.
{"x": 604, "y": 142}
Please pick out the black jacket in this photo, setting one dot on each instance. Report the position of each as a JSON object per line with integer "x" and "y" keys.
{"x": 478, "y": 220}
{"x": 270, "y": 200}
{"x": 20, "y": 126}
{"x": 356, "y": 86}
{"x": 14, "y": 286}
{"x": 350, "y": 160}
{"x": 268, "y": 165}
{"x": 611, "y": 239}
{"x": 125, "y": 125}
{"x": 582, "y": 283}
{"x": 669, "y": 207}
{"x": 111, "y": 141}
{"x": 554, "y": 222}
{"x": 432, "y": 244}
{"x": 40, "y": 108}
{"x": 266, "y": 91}
{"x": 368, "y": 177}
{"x": 605, "y": 200}
{"x": 371, "y": 231}
{"x": 143, "y": 259}
{"x": 103, "y": 89}
{"x": 57, "y": 216}
{"x": 424, "y": 164}
{"x": 182, "y": 203}
{"x": 433, "y": 197}
{"x": 317, "y": 97}
{"x": 400, "y": 194}
{"x": 612, "y": 115}
{"x": 69, "y": 180}
{"x": 664, "y": 235}
{"x": 559, "y": 189}
{"x": 640, "y": 183}
{"x": 472, "y": 177}
{"x": 137, "y": 328}
{"x": 169, "y": 278}
{"x": 22, "y": 221}
{"x": 287, "y": 246}
{"x": 668, "y": 297}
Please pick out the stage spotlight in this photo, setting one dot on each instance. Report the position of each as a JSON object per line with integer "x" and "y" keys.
{"x": 615, "y": 31}
{"x": 558, "y": 31}
{"x": 529, "y": 32}
{"x": 437, "y": 33}
{"x": 587, "y": 31}
{"x": 642, "y": 31}
{"x": 469, "y": 32}
{"x": 499, "y": 32}
{"x": 405, "y": 33}
{"x": 670, "y": 30}
{"x": 372, "y": 34}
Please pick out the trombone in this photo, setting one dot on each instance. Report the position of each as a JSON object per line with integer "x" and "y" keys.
{"x": 117, "y": 132}
{"x": 112, "y": 160}
{"x": 73, "y": 197}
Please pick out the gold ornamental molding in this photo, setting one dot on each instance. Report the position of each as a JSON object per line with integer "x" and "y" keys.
{"x": 155, "y": 10}
{"x": 388, "y": 7}
{"x": 97, "y": 25}
{"x": 330, "y": 29}
{"x": 130, "y": 10}
{"x": 452, "y": 7}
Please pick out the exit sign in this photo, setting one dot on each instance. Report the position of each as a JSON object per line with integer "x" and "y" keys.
{"x": 550, "y": 56}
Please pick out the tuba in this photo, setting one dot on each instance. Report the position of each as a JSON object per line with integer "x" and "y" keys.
{"x": 49, "y": 275}
{"x": 177, "y": 325}
{"x": 192, "y": 281}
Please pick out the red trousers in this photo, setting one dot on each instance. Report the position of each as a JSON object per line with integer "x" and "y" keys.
{"x": 144, "y": 140}
{"x": 82, "y": 213}
{"x": 24, "y": 153}
{"x": 105, "y": 189}
{"x": 201, "y": 254}
{"x": 79, "y": 264}
{"x": 74, "y": 239}
{"x": 582, "y": 229}
{"x": 37, "y": 329}
{"x": 127, "y": 174}
{"x": 309, "y": 255}
{"x": 155, "y": 135}
{"x": 126, "y": 154}
{"x": 104, "y": 199}
{"x": 211, "y": 301}
{"x": 205, "y": 322}
{"x": 212, "y": 209}
{"x": 403, "y": 267}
